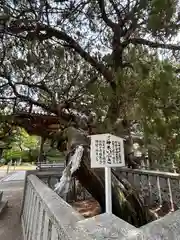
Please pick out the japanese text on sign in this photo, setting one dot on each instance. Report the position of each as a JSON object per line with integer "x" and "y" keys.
{"x": 107, "y": 150}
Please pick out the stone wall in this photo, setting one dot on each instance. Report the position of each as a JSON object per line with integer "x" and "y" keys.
{"x": 46, "y": 216}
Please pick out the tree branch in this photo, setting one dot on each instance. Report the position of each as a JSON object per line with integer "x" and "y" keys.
{"x": 104, "y": 15}
{"x": 57, "y": 109}
{"x": 25, "y": 98}
{"x": 51, "y": 32}
{"x": 80, "y": 92}
{"x": 41, "y": 86}
{"x": 118, "y": 12}
{"x": 141, "y": 41}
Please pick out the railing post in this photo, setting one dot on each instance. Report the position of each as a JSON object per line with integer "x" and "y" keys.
{"x": 170, "y": 195}
{"x": 54, "y": 234}
{"x": 29, "y": 210}
{"x": 37, "y": 220}
{"x": 40, "y": 222}
{"x": 24, "y": 213}
{"x": 150, "y": 189}
{"x": 159, "y": 191}
{"x": 46, "y": 227}
{"x": 33, "y": 204}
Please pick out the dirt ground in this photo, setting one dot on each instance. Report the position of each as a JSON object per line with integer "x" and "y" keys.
{"x": 87, "y": 208}
{"x": 10, "y": 225}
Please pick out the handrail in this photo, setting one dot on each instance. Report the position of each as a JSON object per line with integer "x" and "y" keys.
{"x": 45, "y": 215}
{"x": 150, "y": 172}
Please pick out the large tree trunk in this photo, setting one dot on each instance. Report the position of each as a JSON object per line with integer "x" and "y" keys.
{"x": 126, "y": 202}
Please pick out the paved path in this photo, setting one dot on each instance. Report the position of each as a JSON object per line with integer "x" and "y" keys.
{"x": 14, "y": 176}
{"x": 10, "y": 226}
{"x": 3, "y": 173}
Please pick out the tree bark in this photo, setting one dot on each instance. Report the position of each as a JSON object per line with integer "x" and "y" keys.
{"x": 40, "y": 157}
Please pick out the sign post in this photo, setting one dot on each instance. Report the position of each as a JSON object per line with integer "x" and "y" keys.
{"x": 107, "y": 151}
{"x": 108, "y": 190}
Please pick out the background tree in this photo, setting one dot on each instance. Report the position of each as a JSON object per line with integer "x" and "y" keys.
{"x": 23, "y": 147}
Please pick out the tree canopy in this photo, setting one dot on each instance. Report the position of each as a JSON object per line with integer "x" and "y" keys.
{"x": 105, "y": 65}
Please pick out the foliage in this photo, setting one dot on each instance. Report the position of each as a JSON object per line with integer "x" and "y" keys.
{"x": 23, "y": 147}
{"x": 52, "y": 154}
{"x": 112, "y": 62}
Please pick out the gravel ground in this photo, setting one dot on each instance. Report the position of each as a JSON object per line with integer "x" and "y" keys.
{"x": 10, "y": 226}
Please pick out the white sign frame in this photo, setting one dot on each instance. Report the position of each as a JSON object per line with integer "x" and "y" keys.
{"x": 113, "y": 155}
{"x": 106, "y": 154}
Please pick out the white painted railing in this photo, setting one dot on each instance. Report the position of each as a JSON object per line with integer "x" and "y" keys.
{"x": 45, "y": 216}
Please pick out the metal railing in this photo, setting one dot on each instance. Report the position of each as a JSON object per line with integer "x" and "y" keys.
{"x": 155, "y": 187}
{"x": 48, "y": 166}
